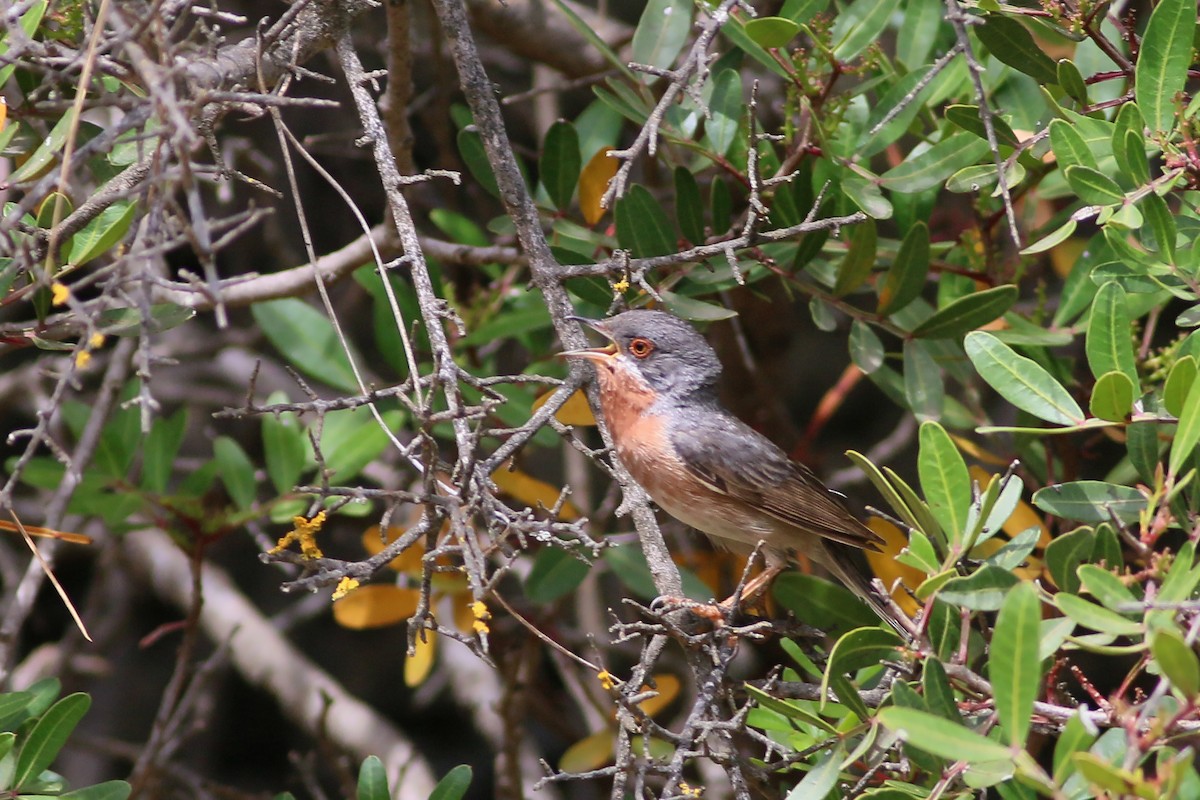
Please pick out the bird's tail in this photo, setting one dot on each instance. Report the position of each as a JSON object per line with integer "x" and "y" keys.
{"x": 840, "y": 561}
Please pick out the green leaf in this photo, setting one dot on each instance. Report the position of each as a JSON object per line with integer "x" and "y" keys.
{"x": 372, "y": 780}
{"x": 48, "y": 736}
{"x": 938, "y": 692}
{"x": 726, "y": 107}
{"x": 661, "y": 33}
{"x": 689, "y": 207}
{"x": 109, "y": 790}
{"x": 945, "y": 480}
{"x": 1013, "y": 663}
{"x": 866, "y": 350}
{"x": 924, "y": 387}
{"x": 1098, "y": 618}
{"x": 897, "y": 125}
{"x": 967, "y": 313}
{"x": 1178, "y": 385}
{"x": 1075, "y": 737}
{"x": 642, "y": 225}
{"x": 820, "y": 603}
{"x": 1093, "y": 186}
{"x": 560, "y": 163}
{"x": 919, "y": 31}
{"x": 1016, "y": 550}
{"x": 1141, "y": 441}
{"x": 772, "y": 32}
{"x": 1187, "y": 433}
{"x": 1070, "y": 149}
{"x": 866, "y": 194}
{"x": 941, "y": 737}
{"x": 822, "y": 778}
{"x": 1109, "y": 343}
{"x": 982, "y": 590}
{"x": 1112, "y": 396}
{"x": 1065, "y": 553}
{"x": 863, "y": 647}
{"x": 801, "y": 11}
{"x": 967, "y": 117}
{"x": 1070, "y": 79}
{"x": 857, "y": 263}
{"x": 906, "y": 277}
{"x": 454, "y": 785}
{"x": 42, "y": 157}
{"x": 158, "y": 453}
{"x": 1106, "y": 587}
{"x": 1163, "y": 60}
{"x": 859, "y": 25}
{"x": 474, "y": 155}
{"x": 788, "y": 709}
{"x": 555, "y": 573}
{"x": 1130, "y": 155}
{"x": 283, "y": 450}
{"x": 28, "y": 24}
{"x": 884, "y": 487}
{"x": 1162, "y": 225}
{"x": 720, "y": 205}
{"x": 351, "y": 439}
{"x": 101, "y": 233}
{"x": 1091, "y": 501}
{"x": 1021, "y": 381}
{"x": 1010, "y": 43}
{"x": 693, "y": 309}
{"x": 1177, "y": 660}
{"x": 128, "y": 321}
{"x": 928, "y": 168}
{"x": 1052, "y": 239}
{"x": 236, "y": 471}
{"x": 307, "y": 339}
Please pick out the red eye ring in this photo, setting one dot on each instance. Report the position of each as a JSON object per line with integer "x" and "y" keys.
{"x": 640, "y": 348}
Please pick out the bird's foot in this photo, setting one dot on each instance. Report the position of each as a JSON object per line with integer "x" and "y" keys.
{"x": 718, "y": 614}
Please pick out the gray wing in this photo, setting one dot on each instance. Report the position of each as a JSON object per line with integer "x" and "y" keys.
{"x": 710, "y": 441}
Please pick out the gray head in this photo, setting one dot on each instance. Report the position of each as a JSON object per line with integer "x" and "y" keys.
{"x": 666, "y": 352}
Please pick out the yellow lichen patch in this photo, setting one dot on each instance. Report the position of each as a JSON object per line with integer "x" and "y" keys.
{"x": 481, "y": 616}
{"x": 96, "y": 341}
{"x": 375, "y": 606}
{"x": 59, "y": 293}
{"x": 304, "y": 532}
{"x": 606, "y": 679}
{"x": 82, "y": 359}
{"x": 345, "y": 586}
{"x": 621, "y": 286}
{"x": 888, "y": 569}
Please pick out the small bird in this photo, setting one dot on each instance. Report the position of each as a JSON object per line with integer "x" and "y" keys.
{"x": 658, "y": 393}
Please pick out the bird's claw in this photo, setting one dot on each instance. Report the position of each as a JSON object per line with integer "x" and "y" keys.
{"x": 718, "y": 614}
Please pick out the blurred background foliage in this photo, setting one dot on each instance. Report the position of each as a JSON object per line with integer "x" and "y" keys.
{"x": 958, "y": 240}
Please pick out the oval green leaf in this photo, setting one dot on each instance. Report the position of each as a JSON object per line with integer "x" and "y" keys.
{"x": 942, "y": 737}
{"x": 1013, "y": 665}
{"x": 1112, "y": 396}
{"x": 1021, "y": 381}
{"x": 967, "y": 313}
{"x": 1163, "y": 61}
{"x": 1091, "y": 501}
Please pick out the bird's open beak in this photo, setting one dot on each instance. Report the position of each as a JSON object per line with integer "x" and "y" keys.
{"x": 595, "y": 354}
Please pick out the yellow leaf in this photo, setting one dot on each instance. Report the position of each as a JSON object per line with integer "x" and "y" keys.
{"x": 3, "y": 113}
{"x": 575, "y": 411}
{"x": 888, "y": 569}
{"x": 668, "y": 690}
{"x": 408, "y": 562}
{"x": 589, "y": 753}
{"x": 418, "y": 666}
{"x": 593, "y": 183}
{"x": 375, "y": 606}
{"x": 979, "y": 454}
{"x": 531, "y": 491}
{"x": 461, "y": 606}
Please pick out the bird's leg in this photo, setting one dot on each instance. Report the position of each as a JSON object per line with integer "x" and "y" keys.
{"x": 754, "y": 588}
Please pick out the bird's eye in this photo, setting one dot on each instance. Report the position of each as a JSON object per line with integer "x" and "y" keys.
{"x": 641, "y": 348}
